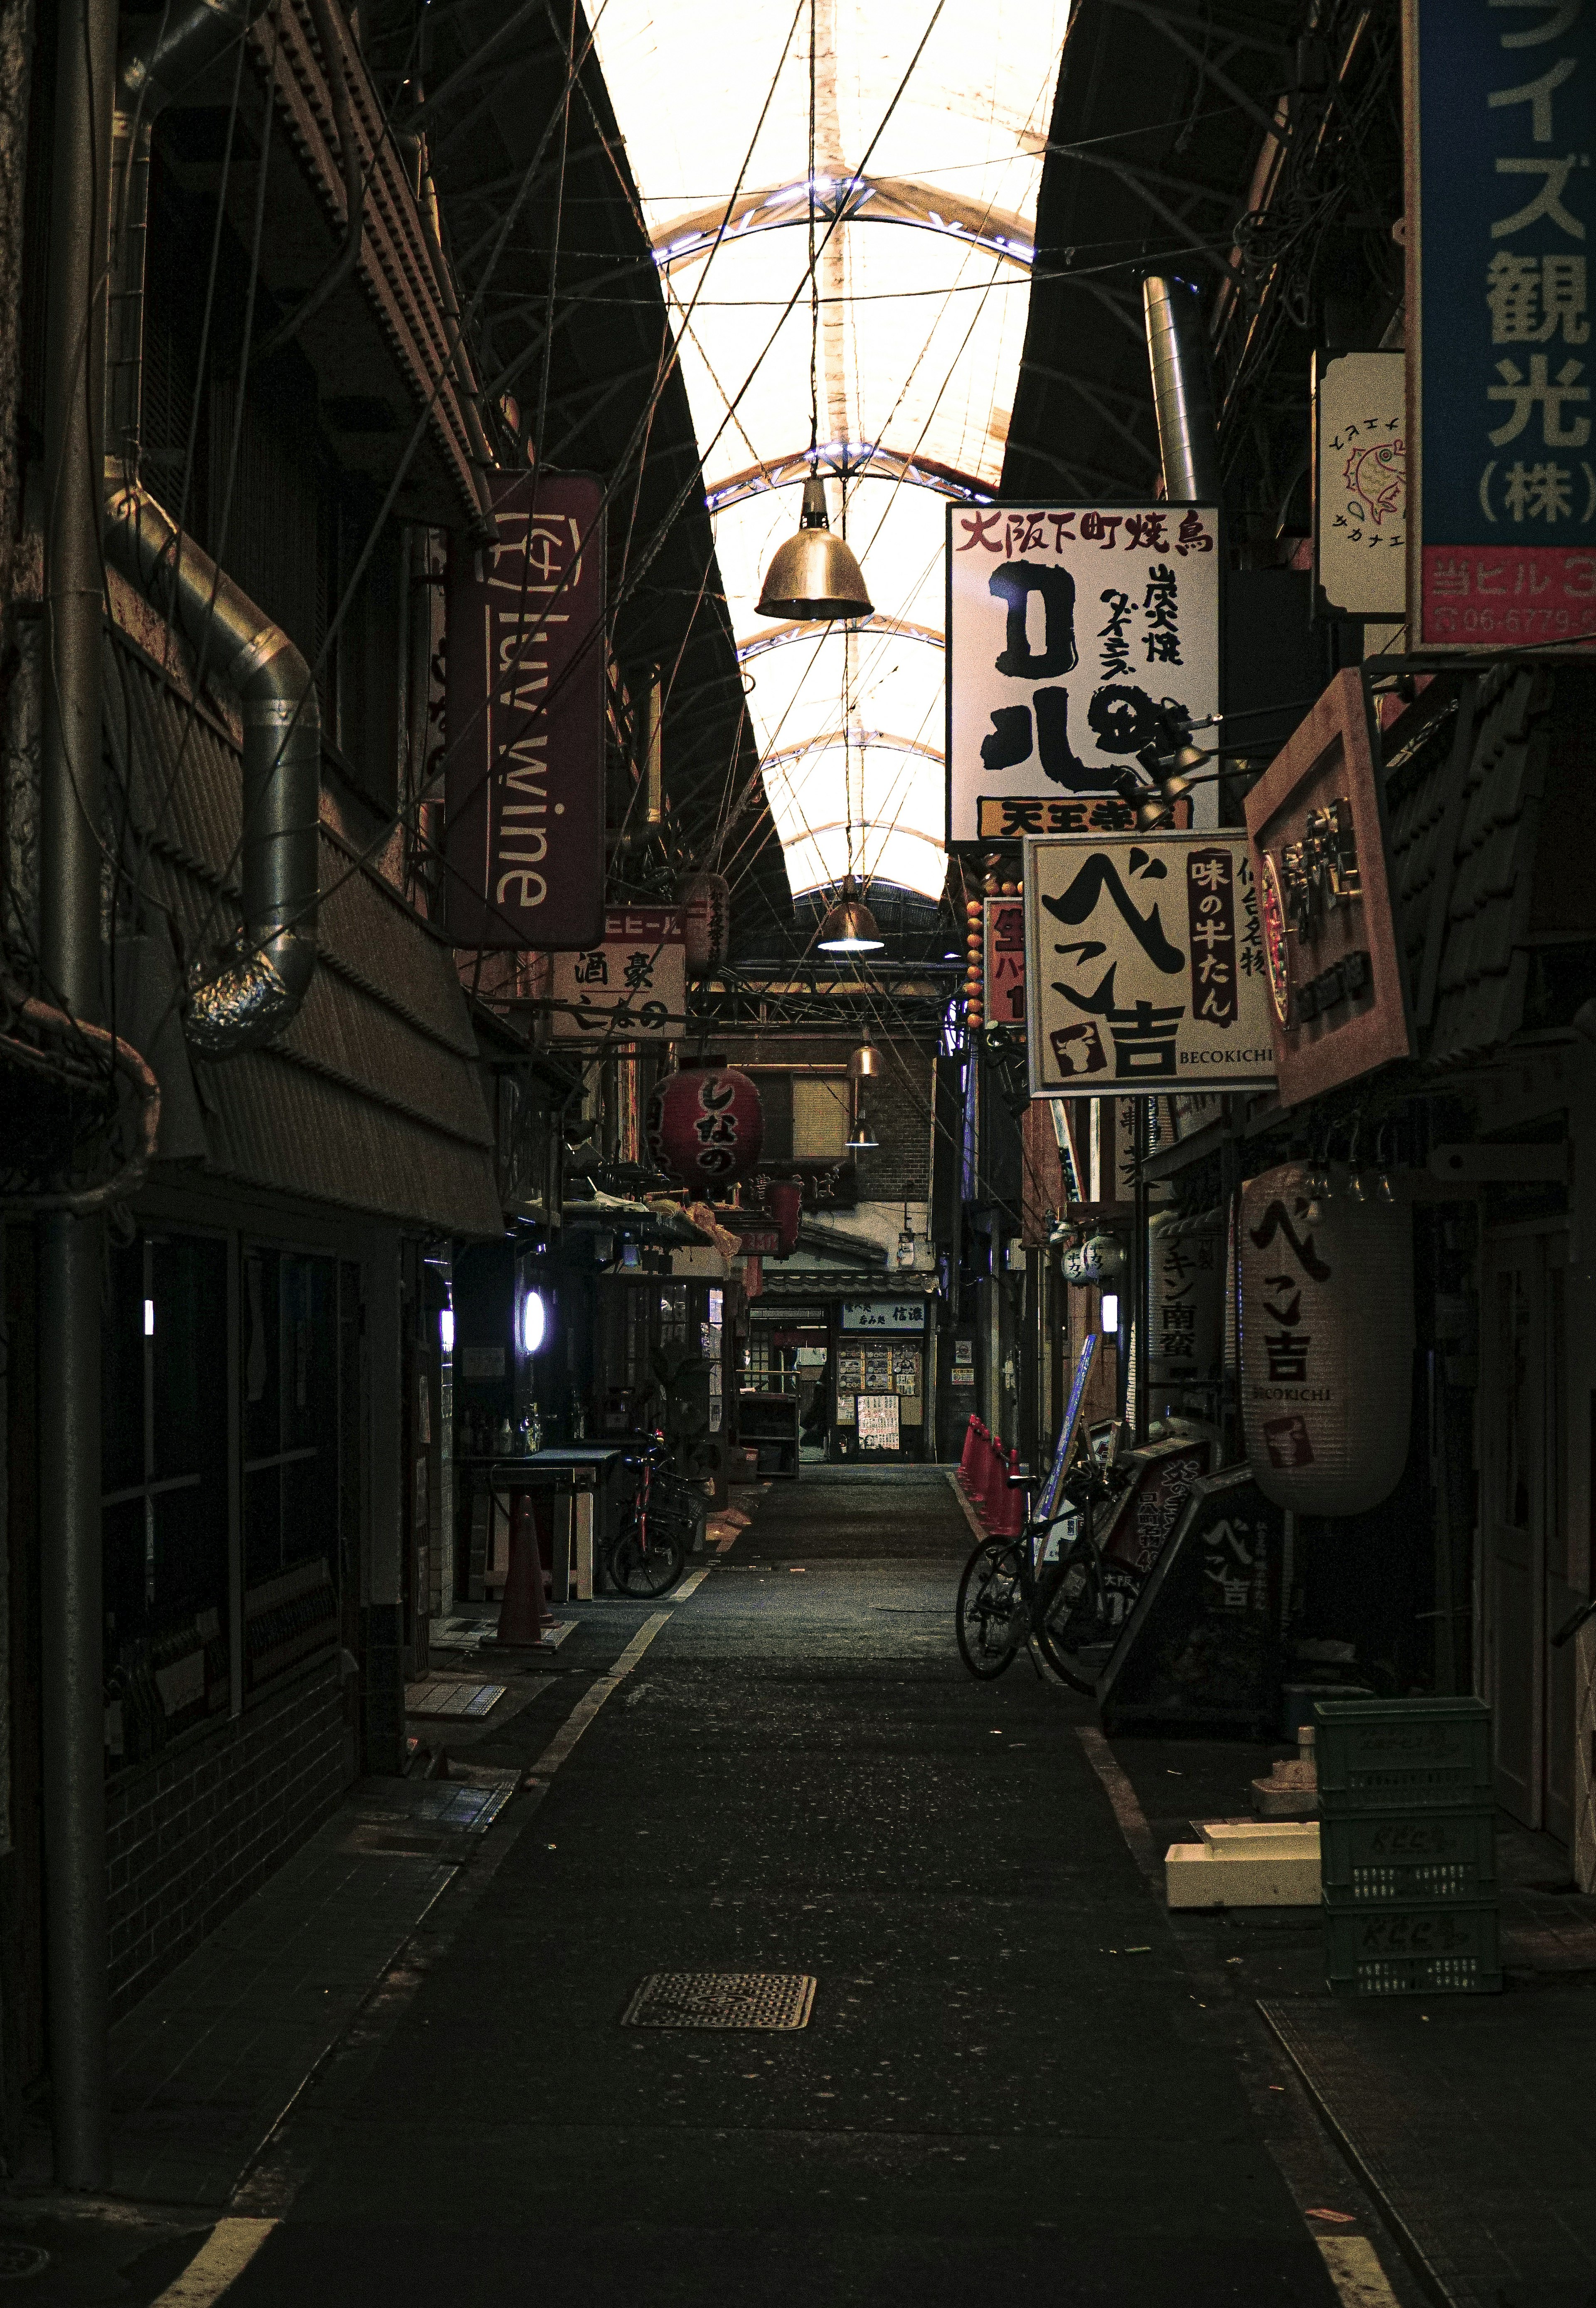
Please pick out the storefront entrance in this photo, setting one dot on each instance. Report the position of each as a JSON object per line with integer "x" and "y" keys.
{"x": 1525, "y": 1590}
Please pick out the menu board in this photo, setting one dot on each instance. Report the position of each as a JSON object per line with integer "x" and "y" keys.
{"x": 878, "y": 1369}
{"x": 850, "y": 1370}
{"x": 906, "y": 1370}
{"x": 877, "y": 1422}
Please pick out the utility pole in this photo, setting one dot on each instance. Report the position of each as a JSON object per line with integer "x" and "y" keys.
{"x": 70, "y": 1247}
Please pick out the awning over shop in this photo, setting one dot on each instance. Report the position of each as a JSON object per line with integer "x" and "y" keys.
{"x": 371, "y": 1098}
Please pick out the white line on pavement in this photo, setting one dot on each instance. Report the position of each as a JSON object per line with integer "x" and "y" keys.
{"x": 588, "y": 1707}
{"x": 690, "y": 1585}
{"x": 1128, "y": 1811}
{"x": 223, "y": 2256}
{"x": 1356, "y": 2272}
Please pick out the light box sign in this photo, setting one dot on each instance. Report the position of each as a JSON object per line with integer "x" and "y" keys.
{"x": 1072, "y": 633}
{"x": 888, "y": 1314}
{"x": 1500, "y": 209}
{"x": 634, "y": 984}
{"x": 1003, "y": 925}
{"x": 523, "y": 721}
{"x": 1360, "y": 489}
{"x": 1144, "y": 966}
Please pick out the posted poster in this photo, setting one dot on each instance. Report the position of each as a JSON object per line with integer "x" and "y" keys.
{"x": 878, "y": 1422}
{"x": 1073, "y": 632}
{"x": 1500, "y": 205}
{"x": 1144, "y": 966}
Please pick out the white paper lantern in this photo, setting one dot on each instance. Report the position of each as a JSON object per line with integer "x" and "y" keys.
{"x": 1327, "y": 1343}
{"x": 1186, "y": 1300}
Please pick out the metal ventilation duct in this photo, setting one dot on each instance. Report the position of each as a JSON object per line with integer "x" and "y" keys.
{"x": 1182, "y": 390}
{"x": 257, "y": 995}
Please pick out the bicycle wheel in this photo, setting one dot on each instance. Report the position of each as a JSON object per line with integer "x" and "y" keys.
{"x": 1075, "y": 1625}
{"x": 990, "y": 1612}
{"x": 648, "y": 1568}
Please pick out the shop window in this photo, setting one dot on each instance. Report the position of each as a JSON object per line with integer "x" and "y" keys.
{"x": 819, "y": 1118}
{"x": 293, "y": 1467}
{"x": 164, "y": 1490}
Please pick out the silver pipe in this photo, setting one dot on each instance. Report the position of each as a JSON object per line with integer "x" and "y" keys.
{"x": 1182, "y": 390}
{"x": 263, "y": 983}
{"x": 72, "y": 1712}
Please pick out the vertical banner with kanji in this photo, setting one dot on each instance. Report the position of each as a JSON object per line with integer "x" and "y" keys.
{"x": 1004, "y": 925}
{"x": 1144, "y": 966}
{"x": 1078, "y": 637}
{"x": 524, "y": 719}
{"x": 1502, "y": 478}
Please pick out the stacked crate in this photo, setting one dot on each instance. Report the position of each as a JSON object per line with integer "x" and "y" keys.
{"x": 1407, "y": 1846}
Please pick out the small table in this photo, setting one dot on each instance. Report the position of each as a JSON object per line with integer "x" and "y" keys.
{"x": 564, "y": 1468}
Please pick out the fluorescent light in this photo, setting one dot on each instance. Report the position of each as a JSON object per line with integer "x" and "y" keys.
{"x": 1110, "y": 1312}
{"x": 446, "y": 1329}
{"x": 534, "y": 1322}
{"x": 149, "y": 1318}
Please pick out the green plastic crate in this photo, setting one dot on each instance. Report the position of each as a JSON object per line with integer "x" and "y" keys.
{"x": 1373, "y": 1857}
{"x": 1400, "y": 1754}
{"x": 1404, "y": 1949}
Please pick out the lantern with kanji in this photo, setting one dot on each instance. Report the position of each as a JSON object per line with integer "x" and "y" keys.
{"x": 706, "y": 902}
{"x": 1186, "y": 1293}
{"x": 785, "y": 1200}
{"x": 1326, "y": 1309}
{"x": 706, "y": 1125}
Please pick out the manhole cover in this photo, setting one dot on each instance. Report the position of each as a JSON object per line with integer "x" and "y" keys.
{"x": 21, "y": 2260}
{"x": 722, "y": 1999}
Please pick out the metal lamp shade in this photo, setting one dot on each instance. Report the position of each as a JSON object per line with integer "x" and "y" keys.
{"x": 814, "y": 575}
{"x": 850, "y": 928}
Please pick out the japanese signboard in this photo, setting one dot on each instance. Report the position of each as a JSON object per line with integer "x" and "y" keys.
{"x": 1500, "y": 207}
{"x": 1073, "y": 632}
{"x": 1361, "y": 490}
{"x": 1338, "y": 1003}
{"x": 878, "y": 1428}
{"x": 1144, "y": 966}
{"x": 634, "y": 984}
{"x": 883, "y": 1314}
{"x": 524, "y": 718}
{"x": 1003, "y": 927}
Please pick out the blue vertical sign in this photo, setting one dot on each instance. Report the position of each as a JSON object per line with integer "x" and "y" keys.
{"x": 1501, "y": 100}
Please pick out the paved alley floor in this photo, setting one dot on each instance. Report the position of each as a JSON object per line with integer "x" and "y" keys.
{"x": 1017, "y": 2077}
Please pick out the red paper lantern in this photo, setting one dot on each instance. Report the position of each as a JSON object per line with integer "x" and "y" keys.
{"x": 786, "y": 1198}
{"x": 706, "y": 1125}
{"x": 706, "y": 903}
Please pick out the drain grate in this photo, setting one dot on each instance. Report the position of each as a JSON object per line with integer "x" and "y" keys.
{"x": 722, "y": 1999}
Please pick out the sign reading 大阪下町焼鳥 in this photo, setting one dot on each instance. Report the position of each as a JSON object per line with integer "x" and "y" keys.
{"x": 635, "y": 984}
{"x": 524, "y": 718}
{"x": 1144, "y": 966}
{"x": 1080, "y": 638}
{"x": 1502, "y": 468}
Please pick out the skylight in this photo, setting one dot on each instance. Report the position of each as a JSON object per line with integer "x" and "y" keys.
{"x": 923, "y": 282}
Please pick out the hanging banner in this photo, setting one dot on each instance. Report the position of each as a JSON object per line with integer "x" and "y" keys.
{"x": 524, "y": 719}
{"x": 1073, "y": 632}
{"x": 1499, "y": 207}
{"x": 1003, "y": 945}
{"x": 633, "y": 985}
{"x": 1360, "y": 485}
{"x": 1144, "y": 966}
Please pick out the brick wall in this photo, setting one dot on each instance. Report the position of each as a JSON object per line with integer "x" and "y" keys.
{"x": 190, "y": 1837}
{"x": 899, "y": 1109}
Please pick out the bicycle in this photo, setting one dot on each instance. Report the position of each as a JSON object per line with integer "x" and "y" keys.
{"x": 1060, "y": 1599}
{"x": 648, "y": 1553}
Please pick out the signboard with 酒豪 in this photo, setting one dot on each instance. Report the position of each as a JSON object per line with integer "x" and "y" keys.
{"x": 1081, "y": 640}
{"x": 1502, "y": 469}
{"x": 633, "y": 985}
{"x": 1144, "y": 966}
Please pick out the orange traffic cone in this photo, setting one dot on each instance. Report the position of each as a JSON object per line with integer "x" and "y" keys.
{"x": 521, "y": 1619}
{"x": 967, "y": 1453}
{"x": 1009, "y": 1514}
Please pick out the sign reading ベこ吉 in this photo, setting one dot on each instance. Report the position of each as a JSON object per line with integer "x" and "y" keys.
{"x": 1502, "y": 485}
{"x": 1076, "y": 634}
{"x": 1144, "y": 966}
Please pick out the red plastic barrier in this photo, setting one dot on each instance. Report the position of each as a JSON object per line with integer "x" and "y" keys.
{"x": 1008, "y": 1517}
{"x": 967, "y": 1453}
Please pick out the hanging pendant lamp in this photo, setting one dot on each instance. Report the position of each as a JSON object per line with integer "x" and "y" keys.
{"x": 850, "y": 927}
{"x": 814, "y": 575}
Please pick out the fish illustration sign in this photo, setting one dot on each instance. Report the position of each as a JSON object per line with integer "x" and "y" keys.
{"x": 1360, "y": 505}
{"x": 1145, "y": 966}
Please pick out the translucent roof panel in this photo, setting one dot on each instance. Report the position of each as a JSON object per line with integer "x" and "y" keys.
{"x": 926, "y": 173}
